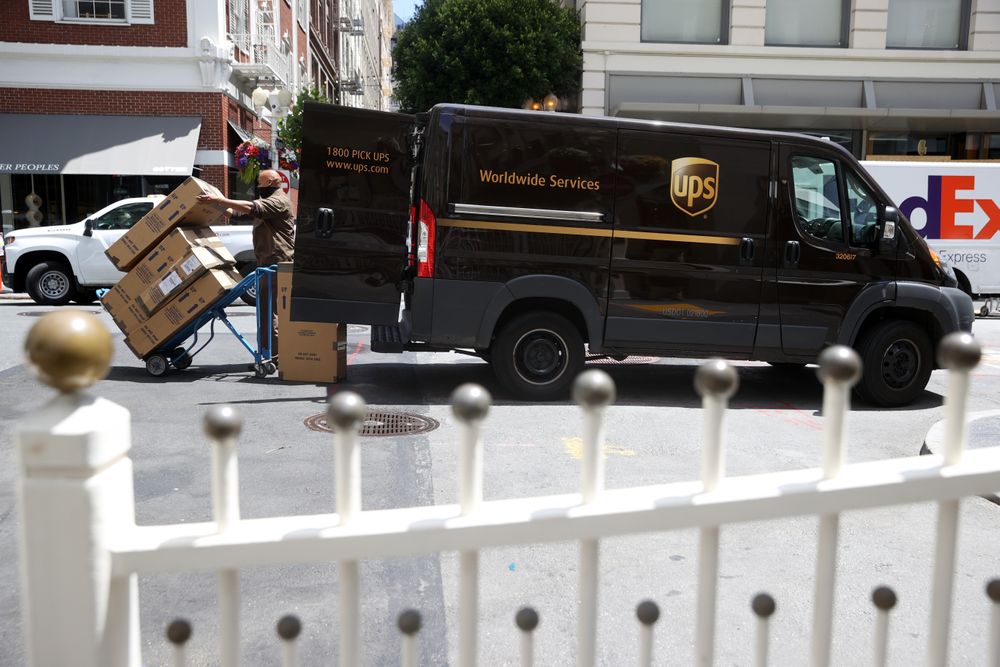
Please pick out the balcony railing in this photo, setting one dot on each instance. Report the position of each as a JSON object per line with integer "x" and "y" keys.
{"x": 266, "y": 58}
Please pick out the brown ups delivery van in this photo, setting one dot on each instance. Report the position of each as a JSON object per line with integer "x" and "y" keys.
{"x": 531, "y": 238}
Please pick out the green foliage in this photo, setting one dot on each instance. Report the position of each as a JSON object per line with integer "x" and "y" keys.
{"x": 290, "y": 127}
{"x": 489, "y": 52}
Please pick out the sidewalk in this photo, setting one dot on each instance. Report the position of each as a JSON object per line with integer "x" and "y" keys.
{"x": 984, "y": 431}
{"x": 8, "y": 294}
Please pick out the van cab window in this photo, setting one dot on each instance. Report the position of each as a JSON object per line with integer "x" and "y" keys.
{"x": 863, "y": 212}
{"x": 817, "y": 198}
{"x": 123, "y": 217}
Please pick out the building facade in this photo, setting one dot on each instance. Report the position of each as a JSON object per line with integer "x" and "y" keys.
{"x": 101, "y": 100}
{"x": 885, "y": 78}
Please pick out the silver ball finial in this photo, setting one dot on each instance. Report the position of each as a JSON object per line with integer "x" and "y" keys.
{"x": 594, "y": 389}
{"x": 346, "y": 410}
{"x": 884, "y": 598}
{"x": 470, "y": 402}
{"x": 289, "y": 627}
{"x": 223, "y": 422}
{"x": 526, "y": 619}
{"x": 763, "y": 605}
{"x": 993, "y": 590}
{"x": 840, "y": 364}
{"x": 179, "y": 632}
{"x": 959, "y": 351}
{"x": 409, "y": 622}
{"x": 716, "y": 377}
{"x": 648, "y": 612}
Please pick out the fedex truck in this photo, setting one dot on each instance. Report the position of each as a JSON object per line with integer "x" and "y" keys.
{"x": 956, "y": 207}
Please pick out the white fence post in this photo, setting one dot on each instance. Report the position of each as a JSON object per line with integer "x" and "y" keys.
{"x": 959, "y": 353}
{"x": 993, "y": 593}
{"x": 763, "y": 606}
{"x": 526, "y": 620}
{"x": 594, "y": 390}
{"x": 648, "y": 614}
{"x": 839, "y": 370}
{"x": 74, "y": 497}
{"x": 409, "y": 623}
{"x": 289, "y": 627}
{"x": 715, "y": 381}
{"x": 884, "y": 599}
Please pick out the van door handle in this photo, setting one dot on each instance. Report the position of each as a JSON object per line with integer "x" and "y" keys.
{"x": 792, "y": 253}
{"x": 746, "y": 250}
{"x": 324, "y": 223}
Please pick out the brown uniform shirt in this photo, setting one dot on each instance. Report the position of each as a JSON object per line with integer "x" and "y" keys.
{"x": 273, "y": 229}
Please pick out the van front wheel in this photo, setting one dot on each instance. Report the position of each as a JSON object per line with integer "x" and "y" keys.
{"x": 898, "y": 360}
{"x": 537, "y": 356}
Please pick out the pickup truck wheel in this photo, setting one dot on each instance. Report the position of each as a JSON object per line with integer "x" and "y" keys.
{"x": 51, "y": 283}
{"x": 538, "y": 355}
{"x": 250, "y": 296}
{"x": 898, "y": 360}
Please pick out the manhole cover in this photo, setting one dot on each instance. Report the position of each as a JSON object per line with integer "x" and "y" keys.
{"x": 626, "y": 361}
{"x": 380, "y": 423}
{"x": 43, "y": 313}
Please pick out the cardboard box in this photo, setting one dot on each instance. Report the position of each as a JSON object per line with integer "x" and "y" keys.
{"x": 181, "y": 273}
{"x": 124, "y": 309}
{"x": 312, "y": 352}
{"x": 179, "y": 209}
{"x": 181, "y": 311}
{"x": 307, "y": 351}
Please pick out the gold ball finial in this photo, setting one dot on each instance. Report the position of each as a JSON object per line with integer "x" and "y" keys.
{"x": 69, "y": 350}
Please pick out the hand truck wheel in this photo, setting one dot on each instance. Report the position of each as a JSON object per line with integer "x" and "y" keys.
{"x": 270, "y": 368}
{"x": 180, "y": 358}
{"x": 157, "y": 365}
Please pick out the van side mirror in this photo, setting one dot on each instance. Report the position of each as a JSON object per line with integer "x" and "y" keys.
{"x": 88, "y": 227}
{"x": 888, "y": 231}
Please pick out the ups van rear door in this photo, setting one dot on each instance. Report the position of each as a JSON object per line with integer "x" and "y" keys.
{"x": 353, "y": 213}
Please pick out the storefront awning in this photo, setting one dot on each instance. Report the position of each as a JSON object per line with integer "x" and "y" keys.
{"x": 117, "y": 145}
{"x": 240, "y": 132}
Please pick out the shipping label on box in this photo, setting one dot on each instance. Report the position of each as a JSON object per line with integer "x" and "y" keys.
{"x": 179, "y": 209}
{"x": 180, "y": 274}
{"x": 182, "y": 310}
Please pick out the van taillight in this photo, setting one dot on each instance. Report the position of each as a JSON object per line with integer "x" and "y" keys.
{"x": 425, "y": 242}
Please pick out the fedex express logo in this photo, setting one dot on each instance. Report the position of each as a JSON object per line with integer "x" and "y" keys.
{"x": 948, "y": 198}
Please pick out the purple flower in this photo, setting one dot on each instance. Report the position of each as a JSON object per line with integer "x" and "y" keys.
{"x": 243, "y": 162}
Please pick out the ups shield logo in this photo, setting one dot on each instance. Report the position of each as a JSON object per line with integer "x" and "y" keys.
{"x": 694, "y": 184}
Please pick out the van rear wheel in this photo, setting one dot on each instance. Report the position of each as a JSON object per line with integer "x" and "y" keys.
{"x": 898, "y": 360}
{"x": 537, "y": 356}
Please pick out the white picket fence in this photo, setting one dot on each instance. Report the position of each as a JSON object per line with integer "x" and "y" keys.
{"x": 81, "y": 551}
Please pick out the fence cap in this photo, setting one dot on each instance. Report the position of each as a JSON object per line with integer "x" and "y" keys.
{"x": 716, "y": 378}
{"x": 648, "y": 612}
{"x": 409, "y": 622}
{"x": 594, "y": 389}
{"x": 289, "y": 627}
{"x": 470, "y": 402}
{"x": 993, "y": 590}
{"x": 763, "y": 605}
{"x": 178, "y": 632}
{"x": 346, "y": 410}
{"x": 526, "y": 619}
{"x": 959, "y": 351}
{"x": 840, "y": 364}
{"x": 884, "y": 598}
{"x": 69, "y": 350}
{"x": 223, "y": 422}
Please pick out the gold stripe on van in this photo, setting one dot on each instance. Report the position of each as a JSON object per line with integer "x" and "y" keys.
{"x": 585, "y": 231}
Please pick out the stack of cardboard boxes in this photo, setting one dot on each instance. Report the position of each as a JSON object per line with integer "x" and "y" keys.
{"x": 177, "y": 268}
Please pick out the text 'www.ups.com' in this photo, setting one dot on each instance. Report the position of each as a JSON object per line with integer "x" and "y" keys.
{"x": 358, "y": 160}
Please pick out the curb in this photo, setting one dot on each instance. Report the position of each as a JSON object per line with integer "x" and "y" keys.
{"x": 14, "y": 296}
{"x": 934, "y": 441}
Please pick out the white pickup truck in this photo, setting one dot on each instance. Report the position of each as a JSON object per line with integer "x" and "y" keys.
{"x": 59, "y": 264}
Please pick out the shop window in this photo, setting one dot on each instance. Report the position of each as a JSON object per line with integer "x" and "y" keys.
{"x": 92, "y": 11}
{"x": 821, "y": 23}
{"x": 898, "y": 144}
{"x": 928, "y": 24}
{"x": 691, "y": 21}
{"x": 993, "y": 147}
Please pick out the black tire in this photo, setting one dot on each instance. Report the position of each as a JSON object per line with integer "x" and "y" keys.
{"x": 157, "y": 365}
{"x": 85, "y": 296}
{"x": 537, "y": 356}
{"x": 180, "y": 359}
{"x": 250, "y": 296}
{"x": 898, "y": 360}
{"x": 51, "y": 283}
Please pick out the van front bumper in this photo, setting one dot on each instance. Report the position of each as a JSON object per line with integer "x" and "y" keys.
{"x": 962, "y": 303}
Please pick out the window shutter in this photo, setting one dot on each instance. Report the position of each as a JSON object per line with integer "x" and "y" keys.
{"x": 42, "y": 10}
{"x": 140, "y": 11}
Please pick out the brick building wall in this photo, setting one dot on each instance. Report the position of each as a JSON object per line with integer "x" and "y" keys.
{"x": 170, "y": 28}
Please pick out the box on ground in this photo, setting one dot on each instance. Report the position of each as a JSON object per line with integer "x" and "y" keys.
{"x": 179, "y": 209}
{"x": 181, "y": 311}
{"x": 307, "y": 351}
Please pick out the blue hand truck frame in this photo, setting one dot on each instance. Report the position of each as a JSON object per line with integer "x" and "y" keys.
{"x": 178, "y": 353}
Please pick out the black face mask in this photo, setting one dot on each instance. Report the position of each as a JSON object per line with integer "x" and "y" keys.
{"x": 265, "y": 191}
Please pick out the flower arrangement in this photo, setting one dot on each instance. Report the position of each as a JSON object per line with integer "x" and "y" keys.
{"x": 250, "y": 155}
{"x": 288, "y": 159}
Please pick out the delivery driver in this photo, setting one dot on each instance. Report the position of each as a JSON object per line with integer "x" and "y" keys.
{"x": 273, "y": 235}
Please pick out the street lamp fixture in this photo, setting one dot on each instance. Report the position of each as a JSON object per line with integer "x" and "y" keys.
{"x": 550, "y": 102}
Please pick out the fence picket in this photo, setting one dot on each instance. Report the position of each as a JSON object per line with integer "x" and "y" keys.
{"x": 409, "y": 623}
{"x": 763, "y": 606}
{"x": 884, "y": 599}
{"x": 345, "y": 413}
{"x": 648, "y": 613}
{"x": 959, "y": 353}
{"x": 593, "y": 390}
{"x": 178, "y": 634}
{"x": 993, "y": 593}
{"x": 289, "y": 627}
{"x": 470, "y": 404}
{"x": 715, "y": 381}
{"x": 527, "y": 620}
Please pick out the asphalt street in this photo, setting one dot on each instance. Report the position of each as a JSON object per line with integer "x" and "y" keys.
{"x": 653, "y": 436}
